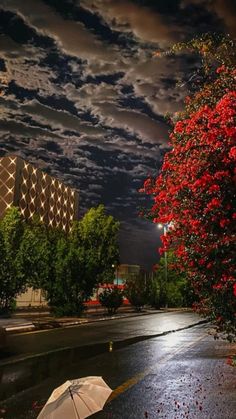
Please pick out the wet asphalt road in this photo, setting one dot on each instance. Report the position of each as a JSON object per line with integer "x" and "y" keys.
{"x": 180, "y": 375}
{"x": 31, "y": 343}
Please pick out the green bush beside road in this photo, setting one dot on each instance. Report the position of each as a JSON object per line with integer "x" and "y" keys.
{"x": 112, "y": 299}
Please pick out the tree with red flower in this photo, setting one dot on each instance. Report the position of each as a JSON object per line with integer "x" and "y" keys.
{"x": 195, "y": 192}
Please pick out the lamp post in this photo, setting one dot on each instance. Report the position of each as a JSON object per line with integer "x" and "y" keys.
{"x": 115, "y": 266}
{"x": 165, "y": 228}
{"x": 117, "y": 281}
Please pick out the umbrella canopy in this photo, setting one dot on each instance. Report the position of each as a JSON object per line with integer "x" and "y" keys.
{"x": 76, "y": 399}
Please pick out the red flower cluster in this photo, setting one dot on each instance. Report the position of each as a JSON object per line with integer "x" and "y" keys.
{"x": 232, "y": 361}
{"x": 196, "y": 193}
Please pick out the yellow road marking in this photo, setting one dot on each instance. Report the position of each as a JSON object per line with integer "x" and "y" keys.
{"x": 140, "y": 376}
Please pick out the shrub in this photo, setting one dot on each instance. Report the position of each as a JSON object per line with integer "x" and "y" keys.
{"x": 156, "y": 293}
{"x": 112, "y": 299}
{"x": 67, "y": 309}
{"x": 174, "y": 295}
{"x": 136, "y": 290}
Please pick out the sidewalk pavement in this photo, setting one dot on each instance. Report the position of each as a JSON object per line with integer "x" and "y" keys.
{"x": 27, "y": 321}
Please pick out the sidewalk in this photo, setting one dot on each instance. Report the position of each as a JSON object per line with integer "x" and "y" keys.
{"x": 27, "y": 321}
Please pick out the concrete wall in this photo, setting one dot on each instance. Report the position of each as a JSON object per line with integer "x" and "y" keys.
{"x": 31, "y": 298}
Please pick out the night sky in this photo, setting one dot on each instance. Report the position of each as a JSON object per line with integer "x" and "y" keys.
{"x": 84, "y": 97}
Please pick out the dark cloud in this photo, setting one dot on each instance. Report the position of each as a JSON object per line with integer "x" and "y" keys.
{"x": 51, "y": 146}
{"x": 83, "y": 96}
{"x": 224, "y": 10}
{"x": 129, "y": 17}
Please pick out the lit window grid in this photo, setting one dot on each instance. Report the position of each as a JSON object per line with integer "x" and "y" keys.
{"x": 30, "y": 195}
{"x": 7, "y": 176}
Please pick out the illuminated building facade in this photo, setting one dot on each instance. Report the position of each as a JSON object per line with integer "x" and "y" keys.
{"x": 35, "y": 192}
{"x": 125, "y": 271}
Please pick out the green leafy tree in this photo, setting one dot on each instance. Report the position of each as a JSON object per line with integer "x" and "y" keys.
{"x": 81, "y": 260}
{"x": 173, "y": 289}
{"x": 175, "y": 296}
{"x": 112, "y": 299}
{"x": 4, "y": 282}
{"x": 136, "y": 290}
{"x": 50, "y": 284}
{"x": 157, "y": 291}
{"x": 66, "y": 294}
{"x": 34, "y": 254}
{"x": 98, "y": 234}
{"x": 154, "y": 298}
{"x": 96, "y": 238}
{"x": 11, "y": 277}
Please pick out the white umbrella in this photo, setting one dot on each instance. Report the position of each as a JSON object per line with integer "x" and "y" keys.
{"x": 76, "y": 399}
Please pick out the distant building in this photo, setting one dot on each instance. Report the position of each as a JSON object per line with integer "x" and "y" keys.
{"x": 122, "y": 273}
{"x": 125, "y": 271}
{"x": 31, "y": 298}
{"x": 35, "y": 192}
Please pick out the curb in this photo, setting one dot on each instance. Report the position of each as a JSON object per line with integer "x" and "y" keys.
{"x": 20, "y": 328}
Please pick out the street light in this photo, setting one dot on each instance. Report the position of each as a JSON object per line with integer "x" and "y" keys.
{"x": 115, "y": 266}
{"x": 165, "y": 228}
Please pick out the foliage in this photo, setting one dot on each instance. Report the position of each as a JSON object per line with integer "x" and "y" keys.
{"x": 215, "y": 49}
{"x": 112, "y": 299}
{"x": 156, "y": 292}
{"x": 64, "y": 293}
{"x": 34, "y": 254}
{"x": 173, "y": 291}
{"x": 66, "y": 267}
{"x": 232, "y": 361}
{"x": 98, "y": 233}
{"x": 11, "y": 279}
{"x": 158, "y": 285}
{"x": 174, "y": 294}
{"x": 49, "y": 284}
{"x": 81, "y": 261}
{"x": 195, "y": 192}
{"x": 96, "y": 238}
{"x": 190, "y": 298}
{"x": 4, "y": 283}
{"x": 136, "y": 290}
{"x": 212, "y": 50}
